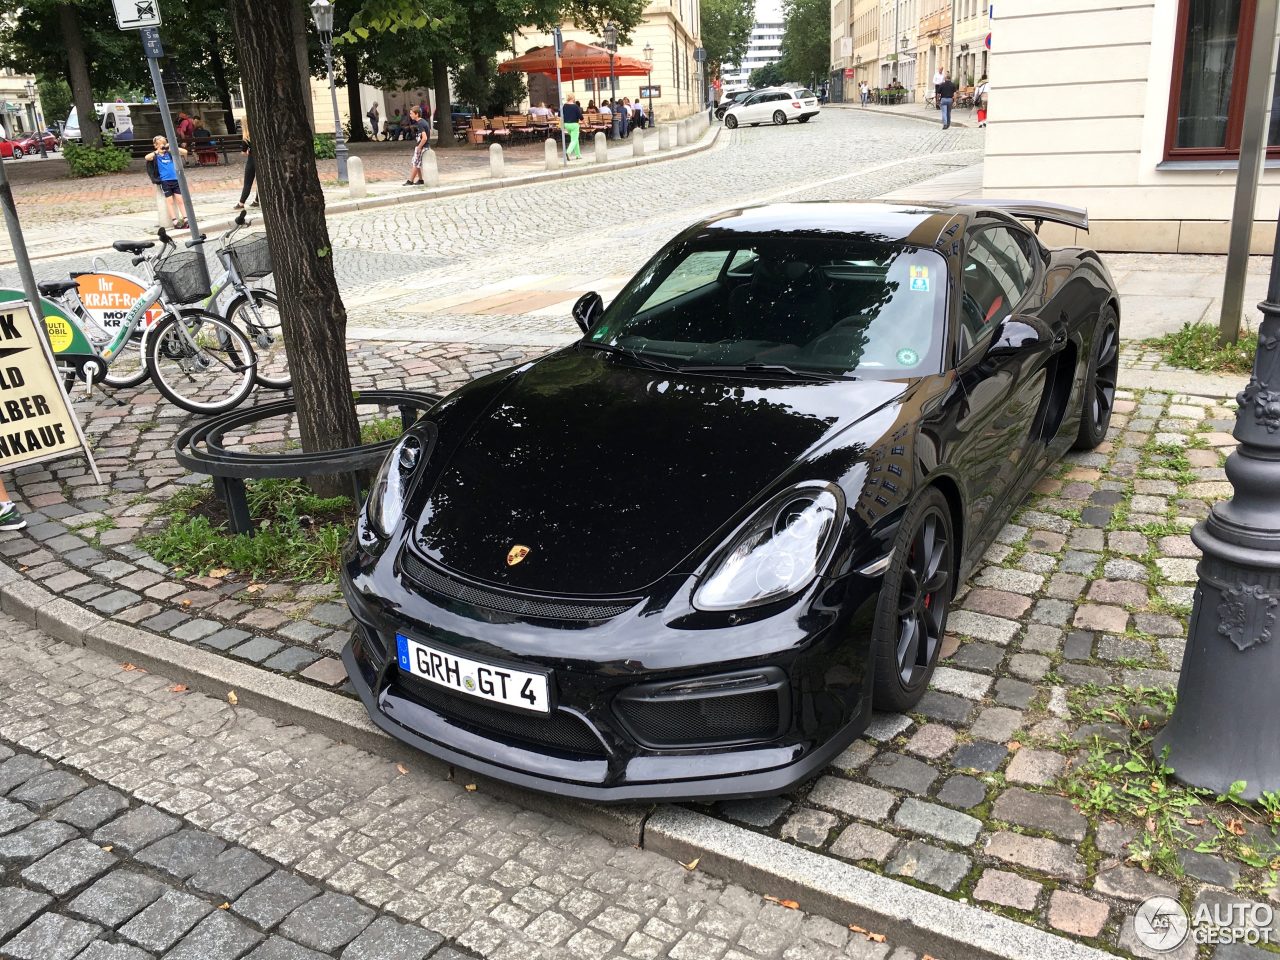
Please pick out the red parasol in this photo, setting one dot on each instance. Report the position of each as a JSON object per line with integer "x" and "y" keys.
{"x": 579, "y": 61}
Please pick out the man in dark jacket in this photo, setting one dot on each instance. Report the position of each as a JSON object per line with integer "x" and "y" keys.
{"x": 946, "y": 96}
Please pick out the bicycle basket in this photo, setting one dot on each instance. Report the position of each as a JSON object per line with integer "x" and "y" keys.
{"x": 183, "y": 277}
{"x": 252, "y": 258}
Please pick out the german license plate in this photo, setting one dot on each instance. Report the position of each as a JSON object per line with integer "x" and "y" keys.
{"x": 484, "y": 681}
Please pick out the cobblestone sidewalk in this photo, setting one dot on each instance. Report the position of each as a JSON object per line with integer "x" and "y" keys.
{"x": 315, "y": 846}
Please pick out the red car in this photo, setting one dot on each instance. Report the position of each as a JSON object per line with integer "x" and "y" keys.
{"x": 30, "y": 143}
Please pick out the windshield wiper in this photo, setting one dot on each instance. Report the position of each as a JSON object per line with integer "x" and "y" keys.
{"x": 634, "y": 355}
{"x": 764, "y": 368}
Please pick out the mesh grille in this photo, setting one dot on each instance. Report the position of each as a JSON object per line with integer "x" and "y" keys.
{"x": 510, "y": 602}
{"x": 670, "y": 722}
{"x": 561, "y": 731}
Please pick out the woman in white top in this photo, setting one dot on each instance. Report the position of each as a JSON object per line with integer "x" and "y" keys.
{"x": 980, "y": 99}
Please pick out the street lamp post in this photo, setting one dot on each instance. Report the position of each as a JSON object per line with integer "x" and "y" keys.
{"x": 648, "y": 56}
{"x": 31, "y": 95}
{"x": 611, "y": 44}
{"x": 322, "y": 13}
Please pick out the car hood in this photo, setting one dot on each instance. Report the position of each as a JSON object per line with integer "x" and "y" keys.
{"x": 613, "y": 475}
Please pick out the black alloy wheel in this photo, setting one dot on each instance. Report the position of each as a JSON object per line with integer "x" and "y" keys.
{"x": 779, "y": 117}
{"x": 730, "y": 121}
{"x": 1100, "y": 381}
{"x": 911, "y": 617}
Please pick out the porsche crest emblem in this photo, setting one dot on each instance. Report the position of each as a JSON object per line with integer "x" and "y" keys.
{"x": 517, "y": 553}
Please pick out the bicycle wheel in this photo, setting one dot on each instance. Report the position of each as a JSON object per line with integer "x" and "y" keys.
{"x": 258, "y": 315}
{"x": 128, "y": 368}
{"x": 200, "y": 362}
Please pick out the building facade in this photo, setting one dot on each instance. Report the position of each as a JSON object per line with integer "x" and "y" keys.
{"x": 670, "y": 28}
{"x": 899, "y": 32}
{"x": 969, "y": 41}
{"x": 764, "y": 47}
{"x": 1139, "y": 122}
{"x": 933, "y": 44}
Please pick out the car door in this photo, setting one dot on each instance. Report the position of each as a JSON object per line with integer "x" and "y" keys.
{"x": 1001, "y": 392}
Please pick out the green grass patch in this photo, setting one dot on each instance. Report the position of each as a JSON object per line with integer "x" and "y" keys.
{"x": 375, "y": 431}
{"x": 1196, "y": 347}
{"x": 299, "y": 535}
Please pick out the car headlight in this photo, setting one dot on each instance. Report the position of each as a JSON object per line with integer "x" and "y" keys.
{"x": 778, "y": 553}
{"x": 390, "y": 489}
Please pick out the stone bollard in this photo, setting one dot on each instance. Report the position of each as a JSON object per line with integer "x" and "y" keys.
{"x": 682, "y": 133}
{"x": 496, "y": 165}
{"x": 430, "y": 169}
{"x": 550, "y": 154}
{"x": 637, "y": 143}
{"x": 666, "y": 140}
{"x": 602, "y": 148}
{"x": 162, "y": 212}
{"x": 355, "y": 179}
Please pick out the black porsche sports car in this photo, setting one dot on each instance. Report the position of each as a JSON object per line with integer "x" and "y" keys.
{"x": 685, "y": 556}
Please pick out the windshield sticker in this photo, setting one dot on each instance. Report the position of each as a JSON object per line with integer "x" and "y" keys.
{"x": 908, "y": 357}
{"x": 920, "y": 279}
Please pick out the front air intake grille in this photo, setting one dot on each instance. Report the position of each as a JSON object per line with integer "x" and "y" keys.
{"x": 559, "y": 730}
{"x": 681, "y": 715}
{"x": 512, "y": 603}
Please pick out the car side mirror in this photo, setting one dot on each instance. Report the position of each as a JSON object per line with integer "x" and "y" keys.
{"x": 587, "y": 310}
{"x": 1016, "y": 334}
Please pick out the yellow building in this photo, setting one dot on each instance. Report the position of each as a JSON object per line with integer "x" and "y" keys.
{"x": 670, "y": 28}
{"x": 933, "y": 44}
{"x": 969, "y": 49}
{"x": 899, "y": 25}
{"x": 1138, "y": 120}
{"x": 842, "y": 89}
{"x": 866, "y": 41}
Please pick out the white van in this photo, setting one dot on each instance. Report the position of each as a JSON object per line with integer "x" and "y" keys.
{"x": 115, "y": 119}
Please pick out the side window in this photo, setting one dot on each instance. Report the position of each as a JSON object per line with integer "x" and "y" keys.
{"x": 997, "y": 274}
{"x": 699, "y": 269}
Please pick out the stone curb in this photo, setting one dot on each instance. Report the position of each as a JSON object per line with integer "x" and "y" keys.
{"x": 837, "y": 890}
{"x": 891, "y": 112}
{"x": 707, "y": 141}
{"x": 927, "y": 921}
{"x": 281, "y": 698}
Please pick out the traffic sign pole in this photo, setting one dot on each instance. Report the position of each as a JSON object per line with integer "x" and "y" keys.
{"x": 155, "y": 50}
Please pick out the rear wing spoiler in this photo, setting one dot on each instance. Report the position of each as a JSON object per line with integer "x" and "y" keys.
{"x": 1037, "y": 212}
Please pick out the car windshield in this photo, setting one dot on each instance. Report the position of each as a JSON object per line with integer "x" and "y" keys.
{"x": 837, "y": 307}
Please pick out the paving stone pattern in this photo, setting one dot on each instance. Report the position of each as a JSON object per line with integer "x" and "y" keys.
{"x": 111, "y": 879}
{"x": 1085, "y": 594}
{"x": 316, "y": 848}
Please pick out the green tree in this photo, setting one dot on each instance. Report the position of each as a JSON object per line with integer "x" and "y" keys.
{"x": 770, "y": 75}
{"x": 726, "y": 28}
{"x": 806, "y": 40}
{"x": 55, "y": 99}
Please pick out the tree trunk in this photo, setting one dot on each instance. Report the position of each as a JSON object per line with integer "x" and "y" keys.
{"x": 444, "y": 108}
{"x": 78, "y": 75}
{"x": 300, "y": 26}
{"x": 351, "y": 67}
{"x": 220, "y": 80}
{"x": 312, "y": 316}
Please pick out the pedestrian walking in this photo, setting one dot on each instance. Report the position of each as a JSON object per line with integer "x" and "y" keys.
{"x": 946, "y": 94}
{"x": 164, "y": 174}
{"x": 421, "y": 131}
{"x": 864, "y": 92}
{"x": 250, "y": 167}
{"x": 571, "y": 117}
{"x": 980, "y": 99}
{"x": 373, "y": 120}
{"x": 938, "y": 77}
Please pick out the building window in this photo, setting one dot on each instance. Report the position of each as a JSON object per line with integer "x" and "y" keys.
{"x": 1210, "y": 67}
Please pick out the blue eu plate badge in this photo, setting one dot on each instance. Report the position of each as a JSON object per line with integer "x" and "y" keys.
{"x": 402, "y": 651}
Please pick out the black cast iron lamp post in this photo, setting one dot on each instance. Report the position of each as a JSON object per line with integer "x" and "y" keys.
{"x": 322, "y": 13}
{"x": 1226, "y": 726}
{"x": 31, "y": 95}
{"x": 648, "y": 56}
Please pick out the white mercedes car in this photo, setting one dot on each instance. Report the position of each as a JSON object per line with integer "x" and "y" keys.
{"x": 774, "y": 105}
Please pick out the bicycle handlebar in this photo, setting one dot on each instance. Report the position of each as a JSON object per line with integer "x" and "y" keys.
{"x": 195, "y": 242}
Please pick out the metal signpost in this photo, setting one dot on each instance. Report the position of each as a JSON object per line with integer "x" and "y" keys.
{"x": 700, "y": 56}
{"x": 564, "y": 147}
{"x": 155, "y": 50}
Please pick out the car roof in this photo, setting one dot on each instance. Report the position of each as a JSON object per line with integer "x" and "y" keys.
{"x": 923, "y": 224}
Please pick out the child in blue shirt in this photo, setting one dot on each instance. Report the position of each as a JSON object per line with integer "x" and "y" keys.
{"x": 162, "y": 169}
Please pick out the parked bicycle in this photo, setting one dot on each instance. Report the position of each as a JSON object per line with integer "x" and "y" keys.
{"x": 198, "y": 360}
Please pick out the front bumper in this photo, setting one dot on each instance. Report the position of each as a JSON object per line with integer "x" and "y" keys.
{"x": 819, "y": 652}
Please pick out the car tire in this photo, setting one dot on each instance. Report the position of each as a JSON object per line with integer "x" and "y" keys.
{"x": 731, "y": 121}
{"x": 17, "y": 153}
{"x": 1099, "y": 398}
{"x": 803, "y": 119}
{"x": 911, "y": 614}
{"x": 779, "y": 117}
